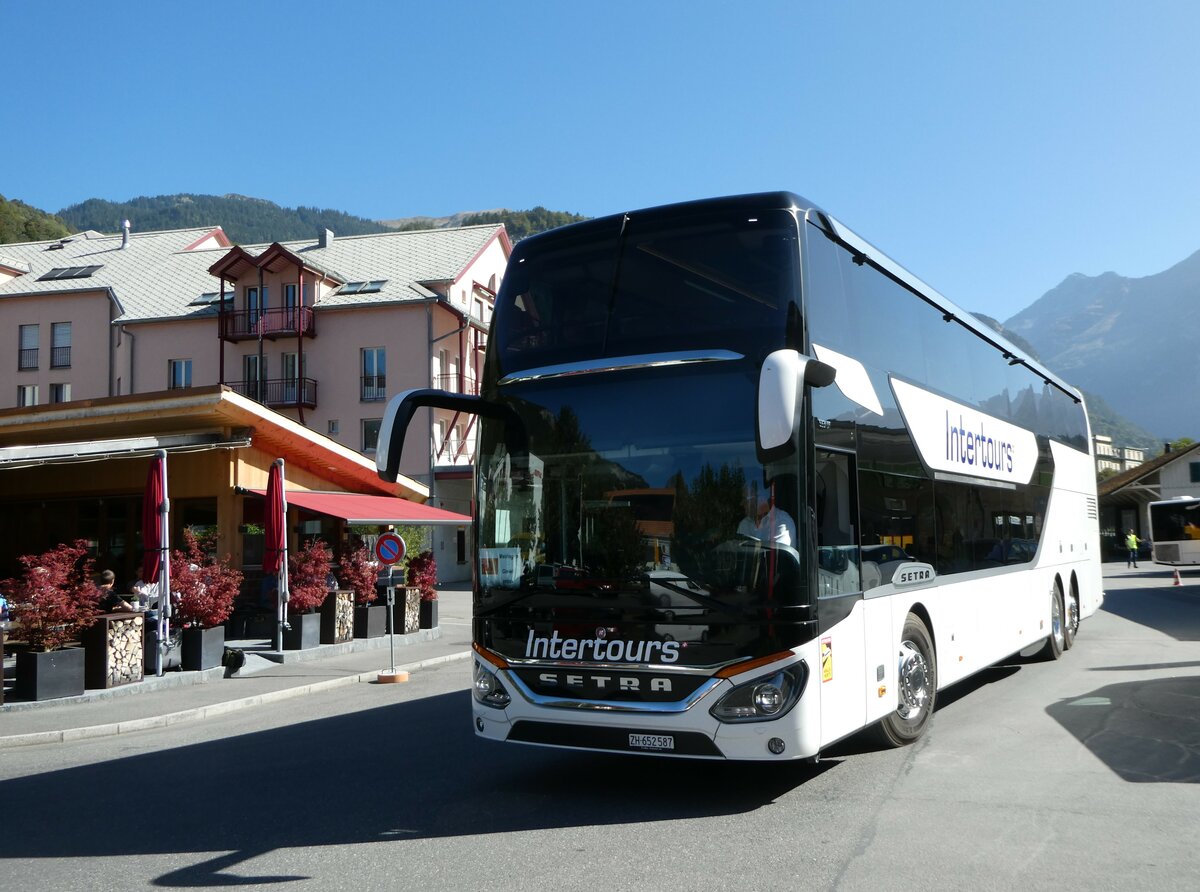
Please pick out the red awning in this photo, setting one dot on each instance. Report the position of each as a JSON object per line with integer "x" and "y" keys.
{"x": 355, "y": 507}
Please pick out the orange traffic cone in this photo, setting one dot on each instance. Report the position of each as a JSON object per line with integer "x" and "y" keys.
{"x": 1177, "y": 582}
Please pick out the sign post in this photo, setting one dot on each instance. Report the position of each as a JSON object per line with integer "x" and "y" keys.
{"x": 390, "y": 550}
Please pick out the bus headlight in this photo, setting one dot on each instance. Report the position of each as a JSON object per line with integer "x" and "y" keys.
{"x": 488, "y": 689}
{"x": 763, "y": 698}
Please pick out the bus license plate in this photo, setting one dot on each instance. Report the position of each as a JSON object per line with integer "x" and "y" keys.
{"x": 652, "y": 741}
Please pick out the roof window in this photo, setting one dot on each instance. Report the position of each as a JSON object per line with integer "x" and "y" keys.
{"x": 362, "y": 287}
{"x": 68, "y": 272}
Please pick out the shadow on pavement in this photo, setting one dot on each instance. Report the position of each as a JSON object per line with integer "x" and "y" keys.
{"x": 1145, "y": 731}
{"x": 323, "y": 783}
{"x": 1172, "y": 610}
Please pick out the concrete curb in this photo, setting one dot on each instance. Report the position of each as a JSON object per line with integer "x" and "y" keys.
{"x": 212, "y": 710}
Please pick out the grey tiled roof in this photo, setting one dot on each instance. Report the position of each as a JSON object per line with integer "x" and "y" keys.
{"x": 408, "y": 261}
{"x": 156, "y": 278}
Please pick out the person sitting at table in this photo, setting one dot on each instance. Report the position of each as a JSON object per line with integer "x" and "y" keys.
{"x": 110, "y": 601}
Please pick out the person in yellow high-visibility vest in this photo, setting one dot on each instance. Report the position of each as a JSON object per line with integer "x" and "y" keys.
{"x": 1131, "y": 542}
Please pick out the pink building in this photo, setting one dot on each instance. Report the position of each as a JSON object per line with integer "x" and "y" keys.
{"x": 322, "y": 331}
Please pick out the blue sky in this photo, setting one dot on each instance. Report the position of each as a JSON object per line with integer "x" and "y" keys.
{"x": 992, "y": 148}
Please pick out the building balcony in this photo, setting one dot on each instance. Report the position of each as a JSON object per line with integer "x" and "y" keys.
{"x": 280, "y": 393}
{"x": 454, "y": 384}
{"x": 60, "y": 357}
{"x": 277, "y": 322}
{"x": 27, "y": 359}
{"x": 373, "y": 389}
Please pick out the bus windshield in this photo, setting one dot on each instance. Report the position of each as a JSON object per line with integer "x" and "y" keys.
{"x": 641, "y": 489}
{"x": 710, "y": 283}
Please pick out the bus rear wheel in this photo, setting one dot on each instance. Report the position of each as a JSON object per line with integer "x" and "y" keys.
{"x": 1071, "y": 621}
{"x": 916, "y": 683}
{"x": 1056, "y": 641}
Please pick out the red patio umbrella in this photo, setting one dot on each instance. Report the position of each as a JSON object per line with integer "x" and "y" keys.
{"x": 152, "y": 505}
{"x": 275, "y": 546}
{"x": 156, "y": 534}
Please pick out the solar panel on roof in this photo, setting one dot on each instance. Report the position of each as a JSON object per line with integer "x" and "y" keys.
{"x": 68, "y": 272}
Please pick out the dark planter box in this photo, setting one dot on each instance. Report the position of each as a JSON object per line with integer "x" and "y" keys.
{"x": 202, "y": 648}
{"x": 370, "y": 621}
{"x": 429, "y": 614}
{"x": 305, "y": 631}
{"x": 170, "y": 655}
{"x": 47, "y": 676}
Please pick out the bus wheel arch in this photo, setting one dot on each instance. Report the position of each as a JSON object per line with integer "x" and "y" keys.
{"x": 916, "y": 682}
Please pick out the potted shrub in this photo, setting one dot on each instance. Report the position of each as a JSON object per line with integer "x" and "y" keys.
{"x": 205, "y": 589}
{"x": 359, "y": 574}
{"x": 422, "y": 575}
{"x": 308, "y": 586}
{"x": 53, "y": 601}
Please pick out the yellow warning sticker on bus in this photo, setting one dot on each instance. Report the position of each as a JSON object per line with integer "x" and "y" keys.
{"x": 826, "y": 659}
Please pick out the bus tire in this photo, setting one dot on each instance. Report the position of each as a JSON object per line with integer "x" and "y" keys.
{"x": 1056, "y": 640}
{"x": 916, "y": 683}
{"x": 1071, "y": 621}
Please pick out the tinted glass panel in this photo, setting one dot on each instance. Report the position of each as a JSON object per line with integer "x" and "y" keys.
{"x": 855, "y": 309}
{"x": 714, "y": 283}
{"x": 631, "y": 503}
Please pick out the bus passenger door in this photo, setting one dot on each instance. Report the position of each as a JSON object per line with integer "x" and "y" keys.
{"x": 840, "y": 672}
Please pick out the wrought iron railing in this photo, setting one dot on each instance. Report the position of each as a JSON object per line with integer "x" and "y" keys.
{"x": 60, "y": 357}
{"x": 374, "y": 388}
{"x": 454, "y": 384}
{"x": 27, "y": 359}
{"x": 280, "y": 391}
{"x": 271, "y": 323}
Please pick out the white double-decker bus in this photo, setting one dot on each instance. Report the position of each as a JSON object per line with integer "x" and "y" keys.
{"x": 859, "y": 494}
{"x": 1175, "y": 531}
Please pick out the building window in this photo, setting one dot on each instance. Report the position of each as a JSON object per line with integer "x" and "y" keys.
{"x": 370, "y": 434}
{"x": 28, "y": 356}
{"x": 60, "y": 345}
{"x": 179, "y": 373}
{"x": 1194, "y": 468}
{"x": 294, "y": 372}
{"x": 374, "y": 374}
{"x": 254, "y": 377}
{"x": 60, "y": 393}
{"x": 255, "y": 303}
{"x": 27, "y": 394}
{"x": 333, "y": 427}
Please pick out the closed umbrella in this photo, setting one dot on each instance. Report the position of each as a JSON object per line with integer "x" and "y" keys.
{"x": 156, "y": 536}
{"x": 275, "y": 547}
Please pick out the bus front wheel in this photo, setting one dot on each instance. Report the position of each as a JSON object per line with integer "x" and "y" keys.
{"x": 916, "y": 682}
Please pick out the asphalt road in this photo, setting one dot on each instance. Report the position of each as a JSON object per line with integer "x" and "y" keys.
{"x": 1081, "y": 774}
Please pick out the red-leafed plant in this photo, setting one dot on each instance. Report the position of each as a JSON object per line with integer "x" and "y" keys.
{"x": 422, "y": 575}
{"x": 308, "y": 576}
{"x": 360, "y": 573}
{"x": 54, "y": 599}
{"x": 206, "y": 587}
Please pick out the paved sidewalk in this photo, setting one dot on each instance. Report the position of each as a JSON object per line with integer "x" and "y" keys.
{"x": 190, "y": 696}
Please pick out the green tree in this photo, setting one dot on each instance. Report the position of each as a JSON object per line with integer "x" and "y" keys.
{"x": 21, "y": 223}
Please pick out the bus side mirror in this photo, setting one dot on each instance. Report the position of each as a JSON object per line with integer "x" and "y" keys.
{"x": 781, "y": 382}
{"x": 403, "y": 406}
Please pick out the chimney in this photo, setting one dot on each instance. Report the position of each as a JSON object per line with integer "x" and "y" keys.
{"x": 325, "y": 239}
{"x": 1166, "y": 448}
{"x": 124, "y": 234}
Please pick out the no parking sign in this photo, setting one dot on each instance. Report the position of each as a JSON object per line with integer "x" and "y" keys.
{"x": 389, "y": 548}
